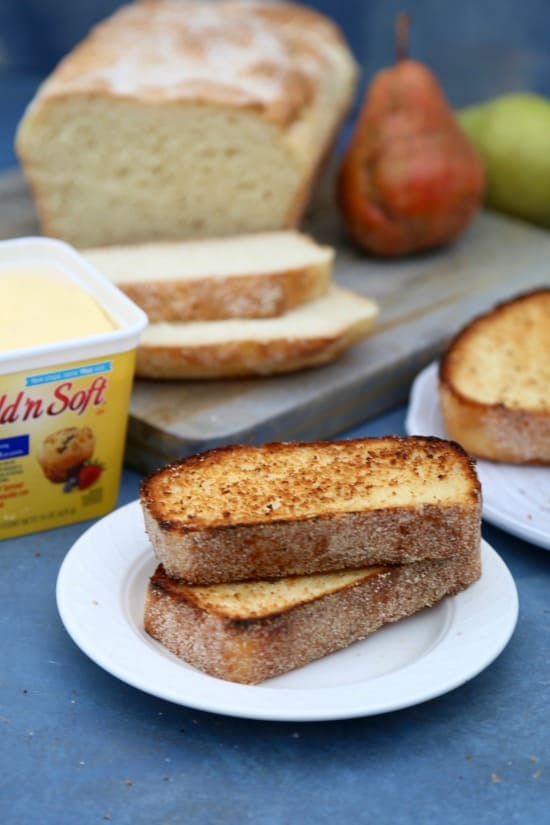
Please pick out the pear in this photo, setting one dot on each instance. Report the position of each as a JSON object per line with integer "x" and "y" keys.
{"x": 410, "y": 178}
{"x": 512, "y": 134}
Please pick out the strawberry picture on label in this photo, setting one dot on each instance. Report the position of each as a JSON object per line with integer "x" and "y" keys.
{"x": 88, "y": 474}
{"x": 83, "y": 476}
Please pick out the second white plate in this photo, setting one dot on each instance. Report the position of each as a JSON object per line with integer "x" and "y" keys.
{"x": 515, "y": 498}
{"x": 100, "y": 596}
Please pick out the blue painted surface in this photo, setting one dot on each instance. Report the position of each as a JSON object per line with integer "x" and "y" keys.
{"x": 78, "y": 746}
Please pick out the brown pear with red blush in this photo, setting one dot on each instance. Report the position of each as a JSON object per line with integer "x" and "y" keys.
{"x": 410, "y": 178}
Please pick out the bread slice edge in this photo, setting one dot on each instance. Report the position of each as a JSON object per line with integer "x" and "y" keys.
{"x": 251, "y": 650}
{"x": 258, "y": 347}
{"x": 258, "y": 290}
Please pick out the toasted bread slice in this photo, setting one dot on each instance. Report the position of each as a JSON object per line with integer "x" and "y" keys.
{"x": 314, "y": 333}
{"x": 248, "y": 632}
{"x": 494, "y": 382}
{"x": 250, "y": 276}
{"x": 248, "y": 512}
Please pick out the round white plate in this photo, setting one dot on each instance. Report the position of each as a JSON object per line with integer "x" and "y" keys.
{"x": 515, "y": 498}
{"x": 100, "y": 596}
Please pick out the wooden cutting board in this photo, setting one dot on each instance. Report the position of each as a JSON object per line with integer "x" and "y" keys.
{"x": 423, "y": 301}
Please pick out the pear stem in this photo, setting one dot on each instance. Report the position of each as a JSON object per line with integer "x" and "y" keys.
{"x": 402, "y": 36}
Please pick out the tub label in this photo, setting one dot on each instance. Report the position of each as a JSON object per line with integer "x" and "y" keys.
{"x": 62, "y": 375}
{"x": 14, "y": 447}
{"x": 65, "y": 396}
{"x": 62, "y": 435}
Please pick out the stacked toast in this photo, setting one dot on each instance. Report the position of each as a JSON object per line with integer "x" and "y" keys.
{"x": 249, "y": 305}
{"x": 273, "y": 556}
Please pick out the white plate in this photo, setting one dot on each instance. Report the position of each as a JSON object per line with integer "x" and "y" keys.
{"x": 515, "y": 498}
{"x": 100, "y": 595}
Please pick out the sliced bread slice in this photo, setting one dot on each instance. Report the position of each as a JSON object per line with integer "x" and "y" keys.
{"x": 308, "y": 335}
{"x": 494, "y": 382}
{"x": 248, "y": 512}
{"x": 251, "y": 276}
{"x": 253, "y": 631}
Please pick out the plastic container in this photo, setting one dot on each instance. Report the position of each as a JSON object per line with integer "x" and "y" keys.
{"x": 64, "y": 405}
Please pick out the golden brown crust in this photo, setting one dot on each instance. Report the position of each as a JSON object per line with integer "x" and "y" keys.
{"x": 275, "y": 83}
{"x": 212, "y": 299}
{"x": 312, "y": 334}
{"x": 249, "y": 650}
{"x": 273, "y": 57}
{"x": 243, "y": 601}
{"x": 494, "y": 382}
{"x": 296, "y": 508}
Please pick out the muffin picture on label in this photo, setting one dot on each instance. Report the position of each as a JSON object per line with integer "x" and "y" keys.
{"x": 65, "y": 453}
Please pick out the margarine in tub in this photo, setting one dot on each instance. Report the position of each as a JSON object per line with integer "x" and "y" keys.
{"x": 67, "y": 352}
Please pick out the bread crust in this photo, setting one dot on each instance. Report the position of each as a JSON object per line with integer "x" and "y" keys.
{"x": 248, "y": 296}
{"x": 262, "y": 542}
{"x": 119, "y": 58}
{"x": 258, "y": 285}
{"x": 494, "y": 432}
{"x": 252, "y": 649}
{"x": 242, "y": 359}
{"x": 512, "y": 430}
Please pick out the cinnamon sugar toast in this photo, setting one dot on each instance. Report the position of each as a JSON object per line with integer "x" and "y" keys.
{"x": 494, "y": 382}
{"x": 251, "y": 631}
{"x": 244, "y": 512}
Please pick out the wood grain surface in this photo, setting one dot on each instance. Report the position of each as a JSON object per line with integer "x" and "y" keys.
{"x": 423, "y": 300}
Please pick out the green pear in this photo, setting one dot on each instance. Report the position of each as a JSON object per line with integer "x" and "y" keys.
{"x": 512, "y": 135}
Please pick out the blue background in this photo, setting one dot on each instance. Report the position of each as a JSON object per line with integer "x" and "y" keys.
{"x": 476, "y": 48}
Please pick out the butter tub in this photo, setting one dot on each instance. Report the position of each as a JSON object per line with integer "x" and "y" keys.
{"x": 68, "y": 340}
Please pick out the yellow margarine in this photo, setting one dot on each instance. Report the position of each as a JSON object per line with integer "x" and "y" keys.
{"x": 37, "y": 308}
{"x": 66, "y": 370}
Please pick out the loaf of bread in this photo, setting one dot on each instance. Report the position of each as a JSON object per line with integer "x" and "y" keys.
{"x": 253, "y": 631}
{"x": 308, "y": 335}
{"x": 178, "y": 119}
{"x": 248, "y": 512}
{"x": 249, "y": 276}
{"x": 494, "y": 382}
